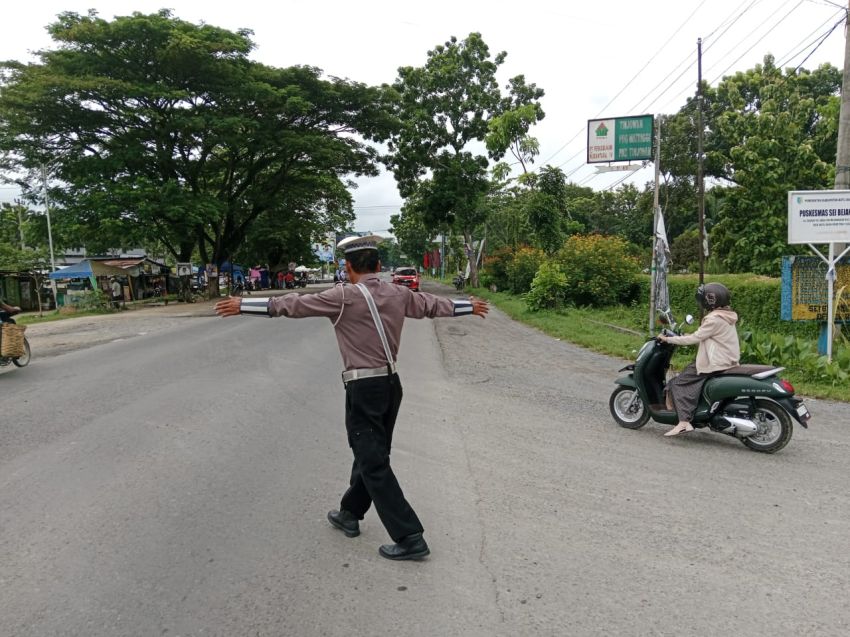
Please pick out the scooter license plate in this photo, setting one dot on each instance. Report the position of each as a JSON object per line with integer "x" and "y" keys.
{"x": 802, "y": 412}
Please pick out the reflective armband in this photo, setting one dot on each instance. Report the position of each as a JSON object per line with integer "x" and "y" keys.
{"x": 462, "y": 307}
{"x": 257, "y": 306}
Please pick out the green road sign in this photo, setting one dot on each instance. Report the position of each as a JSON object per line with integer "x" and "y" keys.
{"x": 619, "y": 139}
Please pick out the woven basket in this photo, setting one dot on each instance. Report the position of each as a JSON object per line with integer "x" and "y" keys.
{"x": 12, "y": 340}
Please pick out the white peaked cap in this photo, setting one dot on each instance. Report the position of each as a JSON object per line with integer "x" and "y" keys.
{"x": 352, "y": 244}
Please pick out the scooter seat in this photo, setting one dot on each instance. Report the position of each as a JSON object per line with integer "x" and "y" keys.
{"x": 747, "y": 370}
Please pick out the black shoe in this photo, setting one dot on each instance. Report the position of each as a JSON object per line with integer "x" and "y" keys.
{"x": 412, "y": 547}
{"x": 345, "y": 522}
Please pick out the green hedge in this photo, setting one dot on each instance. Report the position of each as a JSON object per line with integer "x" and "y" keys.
{"x": 756, "y": 299}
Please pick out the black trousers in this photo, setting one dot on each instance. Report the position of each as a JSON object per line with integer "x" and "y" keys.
{"x": 371, "y": 408}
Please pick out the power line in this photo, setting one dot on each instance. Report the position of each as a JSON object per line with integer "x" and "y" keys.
{"x": 684, "y": 60}
{"x": 785, "y": 59}
{"x": 835, "y": 26}
{"x": 716, "y": 62}
{"x": 768, "y": 32}
{"x": 692, "y": 58}
{"x": 634, "y": 77}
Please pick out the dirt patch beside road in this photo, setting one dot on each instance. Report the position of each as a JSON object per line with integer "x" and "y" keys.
{"x": 58, "y": 337}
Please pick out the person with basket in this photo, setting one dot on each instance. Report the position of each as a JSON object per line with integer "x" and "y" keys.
{"x": 12, "y": 348}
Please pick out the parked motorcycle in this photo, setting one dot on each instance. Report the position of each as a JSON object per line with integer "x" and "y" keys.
{"x": 458, "y": 282}
{"x": 18, "y": 361}
{"x": 749, "y": 402}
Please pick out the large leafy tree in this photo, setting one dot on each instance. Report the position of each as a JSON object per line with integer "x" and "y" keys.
{"x": 445, "y": 109}
{"x": 776, "y": 133}
{"x": 413, "y": 234}
{"x": 767, "y": 131}
{"x": 157, "y": 129}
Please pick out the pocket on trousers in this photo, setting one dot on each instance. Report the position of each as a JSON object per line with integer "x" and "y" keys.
{"x": 361, "y": 438}
{"x": 368, "y": 449}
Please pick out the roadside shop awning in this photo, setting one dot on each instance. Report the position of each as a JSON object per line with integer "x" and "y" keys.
{"x": 86, "y": 269}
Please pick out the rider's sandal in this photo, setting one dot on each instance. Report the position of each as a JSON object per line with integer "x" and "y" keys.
{"x": 681, "y": 428}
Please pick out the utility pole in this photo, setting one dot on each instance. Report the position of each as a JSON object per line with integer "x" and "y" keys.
{"x": 700, "y": 181}
{"x": 656, "y": 212}
{"x": 842, "y": 155}
{"x": 842, "y": 182}
{"x": 49, "y": 235}
{"x": 19, "y": 206}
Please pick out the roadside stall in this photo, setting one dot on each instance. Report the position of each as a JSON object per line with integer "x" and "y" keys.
{"x": 74, "y": 281}
{"x": 147, "y": 278}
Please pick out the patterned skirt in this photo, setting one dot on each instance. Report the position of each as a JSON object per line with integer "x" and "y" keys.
{"x": 685, "y": 390}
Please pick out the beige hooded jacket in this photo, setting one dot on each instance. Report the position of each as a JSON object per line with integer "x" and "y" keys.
{"x": 718, "y": 341}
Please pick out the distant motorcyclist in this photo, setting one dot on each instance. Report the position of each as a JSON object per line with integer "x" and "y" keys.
{"x": 719, "y": 350}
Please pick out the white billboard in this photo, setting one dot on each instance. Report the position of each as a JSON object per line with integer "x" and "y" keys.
{"x": 819, "y": 216}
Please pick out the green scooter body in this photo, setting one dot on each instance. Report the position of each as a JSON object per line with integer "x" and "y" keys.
{"x": 649, "y": 372}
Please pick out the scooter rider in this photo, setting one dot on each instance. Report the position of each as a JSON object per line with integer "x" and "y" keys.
{"x": 718, "y": 350}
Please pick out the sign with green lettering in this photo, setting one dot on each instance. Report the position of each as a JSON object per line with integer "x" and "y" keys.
{"x": 619, "y": 139}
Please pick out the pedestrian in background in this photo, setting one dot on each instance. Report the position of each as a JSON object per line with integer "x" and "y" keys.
{"x": 117, "y": 292}
{"x": 367, "y": 316}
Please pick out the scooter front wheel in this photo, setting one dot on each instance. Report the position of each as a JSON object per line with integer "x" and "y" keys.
{"x": 627, "y": 408}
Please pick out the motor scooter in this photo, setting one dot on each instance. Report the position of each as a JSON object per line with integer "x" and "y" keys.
{"x": 18, "y": 361}
{"x": 749, "y": 402}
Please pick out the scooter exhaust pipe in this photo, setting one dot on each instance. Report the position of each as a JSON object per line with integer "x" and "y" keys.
{"x": 740, "y": 427}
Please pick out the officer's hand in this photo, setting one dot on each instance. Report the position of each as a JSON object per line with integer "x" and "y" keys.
{"x": 229, "y": 306}
{"x": 480, "y": 307}
{"x": 661, "y": 338}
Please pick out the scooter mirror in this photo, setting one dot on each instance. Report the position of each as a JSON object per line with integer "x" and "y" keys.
{"x": 689, "y": 319}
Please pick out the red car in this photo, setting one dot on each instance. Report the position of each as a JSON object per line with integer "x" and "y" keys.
{"x": 407, "y": 276}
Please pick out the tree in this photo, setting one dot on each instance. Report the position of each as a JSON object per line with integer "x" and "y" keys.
{"x": 444, "y": 107}
{"x": 768, "y": 139}
{"x": 766, "y": 132}
{"x": 158, "y": 129}
{"x": 414, "y": 237}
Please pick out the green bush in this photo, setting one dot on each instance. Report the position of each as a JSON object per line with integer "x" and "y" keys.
{"x": 600, "y": 270}
{"x": 522, "y": 268}
{"x": 797, "y": 355}
{"x": 756, "y": 299}
{"x": 90, "y": 300}
{"x": 548, "y": 289}
{"x": 495, "y": 270}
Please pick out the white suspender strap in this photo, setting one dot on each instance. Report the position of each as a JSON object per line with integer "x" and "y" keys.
{"x": 378, "y": 324}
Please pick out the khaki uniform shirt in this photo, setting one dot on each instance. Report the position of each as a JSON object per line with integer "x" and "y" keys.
{"x": 344, "y": 304}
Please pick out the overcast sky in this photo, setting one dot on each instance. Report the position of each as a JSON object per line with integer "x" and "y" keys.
{"x": 594, "y": 59}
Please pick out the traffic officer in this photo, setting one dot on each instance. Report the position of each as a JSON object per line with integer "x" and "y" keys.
{"x": 367, "y": 316}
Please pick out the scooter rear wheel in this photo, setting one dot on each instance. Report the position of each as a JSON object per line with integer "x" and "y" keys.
{"x": 774, "y": 425}
{"x": 627, "y": 408}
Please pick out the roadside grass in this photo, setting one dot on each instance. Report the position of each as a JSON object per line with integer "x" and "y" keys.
{"x": 621, "y": 331}
{"x": 53, "y": 315}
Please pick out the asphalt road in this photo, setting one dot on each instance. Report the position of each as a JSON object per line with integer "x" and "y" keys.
{"x": 169, "y": 473}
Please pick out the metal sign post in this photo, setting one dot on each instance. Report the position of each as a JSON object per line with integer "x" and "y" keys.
{"x": 821, "y": 216}
{"x": 831, "y": 262}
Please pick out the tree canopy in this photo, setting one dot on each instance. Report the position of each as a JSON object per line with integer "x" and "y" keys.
{"x": 454, "y": 119}
{"x": 154, "y": 128}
